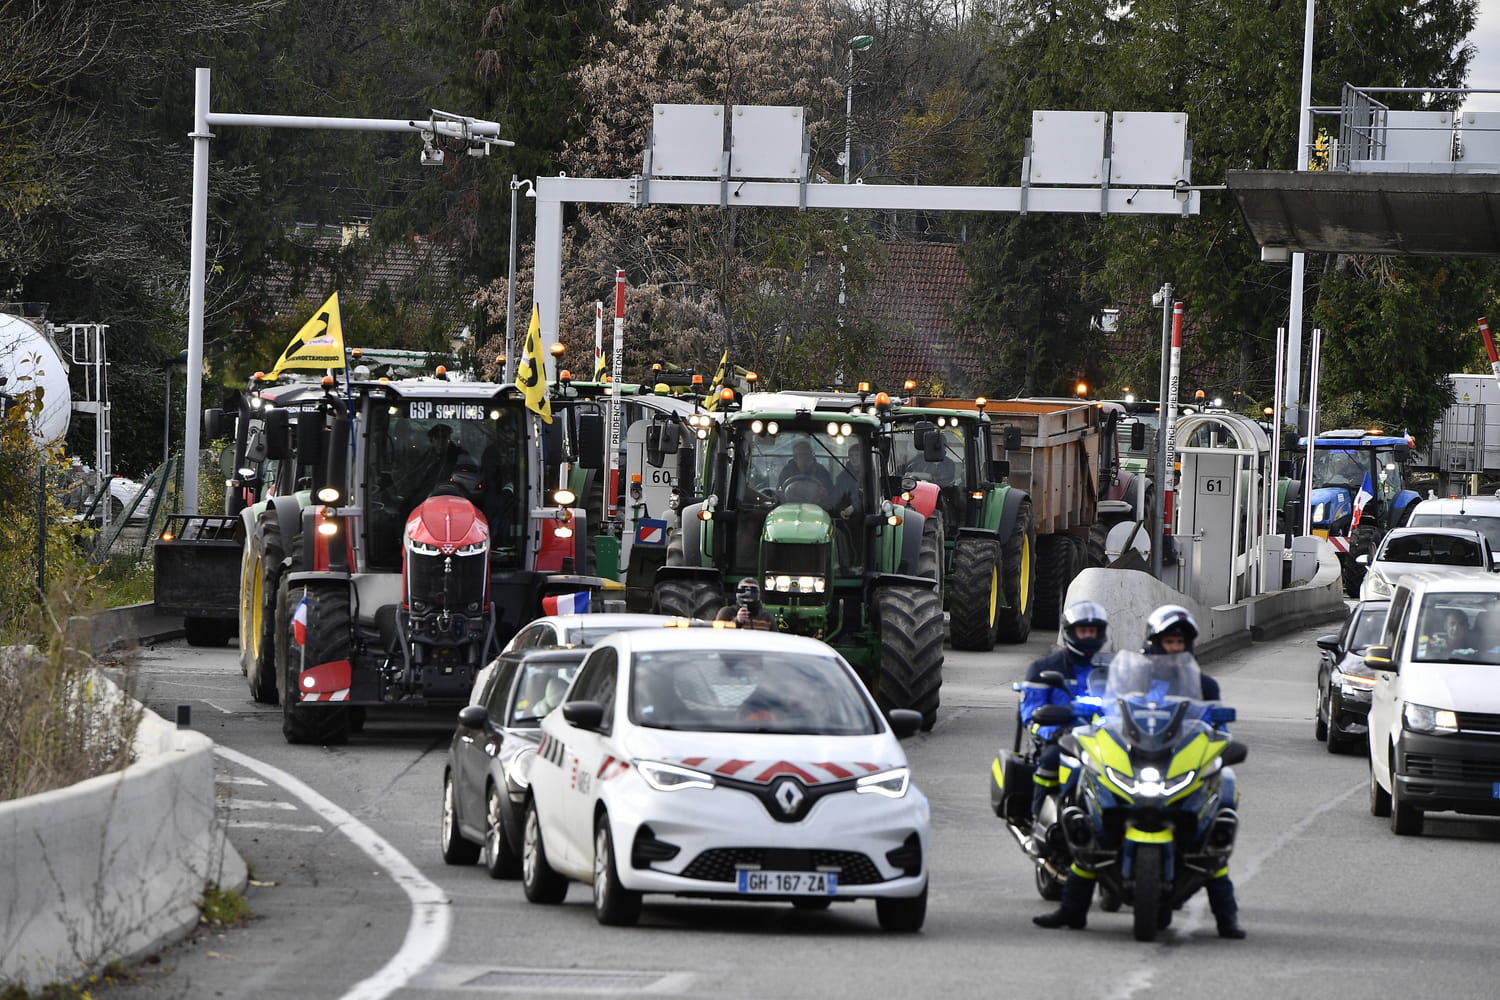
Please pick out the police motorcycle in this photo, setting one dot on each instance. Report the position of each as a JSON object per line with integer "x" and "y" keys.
{"x": 1151, "y": 810}
{"x": 1011, "y": 788}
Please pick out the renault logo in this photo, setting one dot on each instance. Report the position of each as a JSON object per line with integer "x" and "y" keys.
{"x": 789, "y": 795}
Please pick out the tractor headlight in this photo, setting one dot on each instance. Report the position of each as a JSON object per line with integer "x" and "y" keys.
{"x": 1320, "y": 512}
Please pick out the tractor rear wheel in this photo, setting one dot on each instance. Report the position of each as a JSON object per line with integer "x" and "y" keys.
{"x": 975, "y": 598}
{"x": 1018, "y": 579}
{"x": 1057, "y": 564}
{"x": 265, "y": 580}
{"x": 329, "y": 637}
{"x": 910, "y": 620}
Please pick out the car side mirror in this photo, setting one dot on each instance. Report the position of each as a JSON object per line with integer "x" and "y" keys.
{"x": 1012, "y": 437}
{"x": 904, "y": 722}
{"x": 1378, "y": 657}
{"x": 473, "y": 717}
{"x": 1138, "y": 437}
{"x": 583, "y": 714}
{"x": 1234, "y": 753}
{"x": 1329, "y": 642}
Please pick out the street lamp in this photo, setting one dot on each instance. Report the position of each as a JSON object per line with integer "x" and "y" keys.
{"x": 856, "y": 44}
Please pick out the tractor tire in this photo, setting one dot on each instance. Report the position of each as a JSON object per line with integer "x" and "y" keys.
{"x": 1018, "y": 579}
{"x": 329, "y": 637}
{"x": 1095, "y": 553}
{"x": 1363, "y": 541}
{"x": 260, "y": 652}
{"x": 686, "y": 598}
{"x": 975, "y": 597}
{"x": 930, "y": 557}
{"x": 1057, "y": 564}
{"x": 910, "y": 620}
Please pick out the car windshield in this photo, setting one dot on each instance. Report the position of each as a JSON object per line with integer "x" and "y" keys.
{"x": 1459, "y": 627}
{"x": 747, "y": 691}
{"x": 1487, "y": 526}
{"x": 540, "y": 690}
{"x": 1434, "y": 549}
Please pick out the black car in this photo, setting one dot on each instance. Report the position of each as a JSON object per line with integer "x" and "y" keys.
{"x": 489, "y": 758}
{"x": 1344, "y": 682}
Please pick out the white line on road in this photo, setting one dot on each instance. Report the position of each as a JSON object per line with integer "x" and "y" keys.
{"x": 235, "y": 779}
{"x": 431, "y": 913}
{"x": 216, "y": 708}
{"x": 255, "y": 804}
{"x": 246, "y": 824}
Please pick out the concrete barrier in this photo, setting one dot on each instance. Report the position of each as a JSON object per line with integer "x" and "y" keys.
{"x": 112, "y": 867}
{"x": 1130, "y": 595}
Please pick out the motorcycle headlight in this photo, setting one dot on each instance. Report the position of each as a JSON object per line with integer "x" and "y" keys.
{"x": 892, "y": 784}
{"x": 1150, "y": 783}
{"x": 670, "y": 777}
{"x": 1433, "y": 721}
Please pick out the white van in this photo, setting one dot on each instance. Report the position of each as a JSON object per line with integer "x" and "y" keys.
{"x": 1435, "y": 710}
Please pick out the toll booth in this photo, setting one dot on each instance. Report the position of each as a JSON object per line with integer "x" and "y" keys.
{"x": 1221, "y": 506}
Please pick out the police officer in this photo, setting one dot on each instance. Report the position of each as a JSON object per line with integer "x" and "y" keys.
{"x": 1084, "y": 629}
{"x": 1169, "y": 629}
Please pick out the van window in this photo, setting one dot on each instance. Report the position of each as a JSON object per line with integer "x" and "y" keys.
{"x": 1457, "y": 627}
{"x": 1489, "y": 527}
{"x": 1393, "y": 619}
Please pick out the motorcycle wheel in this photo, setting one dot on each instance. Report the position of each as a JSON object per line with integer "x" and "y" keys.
{"x": 1048, "y": 886}
{"x": 1148, "y": 875}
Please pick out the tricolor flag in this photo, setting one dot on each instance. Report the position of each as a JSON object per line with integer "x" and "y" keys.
{"x": 299, "y": 621}
{"x": 319, "y": 344}
{"x": 566, "y": 604}
{"x": 1365, "y": 495}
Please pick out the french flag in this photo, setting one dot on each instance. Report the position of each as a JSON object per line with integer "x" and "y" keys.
{"x": 566, "y": 604}
{"x": 299, "y": 621}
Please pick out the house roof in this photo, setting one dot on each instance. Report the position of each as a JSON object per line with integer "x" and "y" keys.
{"x": 914, "y": 294}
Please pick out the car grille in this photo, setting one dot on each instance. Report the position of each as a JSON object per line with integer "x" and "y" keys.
{"x": 1479, "y": 724}
{"x": 1422, "y": 765}
{"x": 720, "y": 864}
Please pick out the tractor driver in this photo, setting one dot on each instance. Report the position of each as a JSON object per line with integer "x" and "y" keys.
{"x": 804, "y": 467}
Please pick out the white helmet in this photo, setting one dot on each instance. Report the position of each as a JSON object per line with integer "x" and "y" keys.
{"x": 1084, "y": 613}
{"x": 1170, "y": 619}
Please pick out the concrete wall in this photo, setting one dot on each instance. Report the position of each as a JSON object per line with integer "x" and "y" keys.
{"x": 112, "y": 867}
{"x": 1130, "y": 595}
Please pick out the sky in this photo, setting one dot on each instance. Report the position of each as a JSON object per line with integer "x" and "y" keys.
{"x": 1485, "y": 68}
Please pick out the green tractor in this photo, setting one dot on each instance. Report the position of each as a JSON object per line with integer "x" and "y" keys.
{"x": 987, "y": 525}
{"x": 797, "y": 493}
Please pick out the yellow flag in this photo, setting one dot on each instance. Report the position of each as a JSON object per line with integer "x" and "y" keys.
{"x": 319, "y": 344}
{"x": 531, "y": 374}
{"x": 601, "y": 371}
{"x": 721, "y": 377}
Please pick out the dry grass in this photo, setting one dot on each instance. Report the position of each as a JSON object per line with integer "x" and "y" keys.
{"x": 58, "y": 723}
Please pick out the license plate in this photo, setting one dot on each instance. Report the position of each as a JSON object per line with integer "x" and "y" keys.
{"x": 757, "y": 883}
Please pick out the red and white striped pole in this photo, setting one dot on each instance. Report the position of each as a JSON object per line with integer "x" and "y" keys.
{"x": 617, "y": 373}
{"x": 1489, "y": 345}
{"x": 1174, "y": 375}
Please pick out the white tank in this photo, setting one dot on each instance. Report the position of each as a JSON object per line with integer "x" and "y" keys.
{"x": 29, "y": 360}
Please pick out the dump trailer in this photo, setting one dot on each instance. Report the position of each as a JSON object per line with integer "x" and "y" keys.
{"x": 798, "y": 493}
{"x": 1063, "y": 454}
{"x": 1465, "y": 453}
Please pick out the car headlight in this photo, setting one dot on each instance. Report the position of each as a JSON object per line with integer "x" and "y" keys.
{"x": 1435, "y": 721}
{"x": 1149, "y": 783}
{"x": 1356, "y": 683}
{"x": 892, "y": 784}
{"x": 670, "y": 777}
{"x": 1379, "y": 586}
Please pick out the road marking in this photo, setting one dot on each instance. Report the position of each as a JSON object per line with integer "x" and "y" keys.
{"x": 216, "y": 708}
{"x": 431, "y": 909}
{"x": 1140, "y": 979}
{"x": 257, "y": 804}
{"x": 246, "y": 824}
{"x": 235, "y": 779}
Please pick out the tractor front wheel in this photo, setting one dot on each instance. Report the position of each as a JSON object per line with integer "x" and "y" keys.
{"x": 329, "y": 636}
{"x": 910, "y": 620}
{"x": 975, "y": 604}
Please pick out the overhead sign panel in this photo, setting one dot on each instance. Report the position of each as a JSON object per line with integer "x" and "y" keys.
{"x": 1148, "y": 148}
{"x": 766, "y": 142}
{"x": 687, "y": 140}
{"x": 1067, "y": 147}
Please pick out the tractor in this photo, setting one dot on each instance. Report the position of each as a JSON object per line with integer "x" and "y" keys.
{"x": 799, "y": 494}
